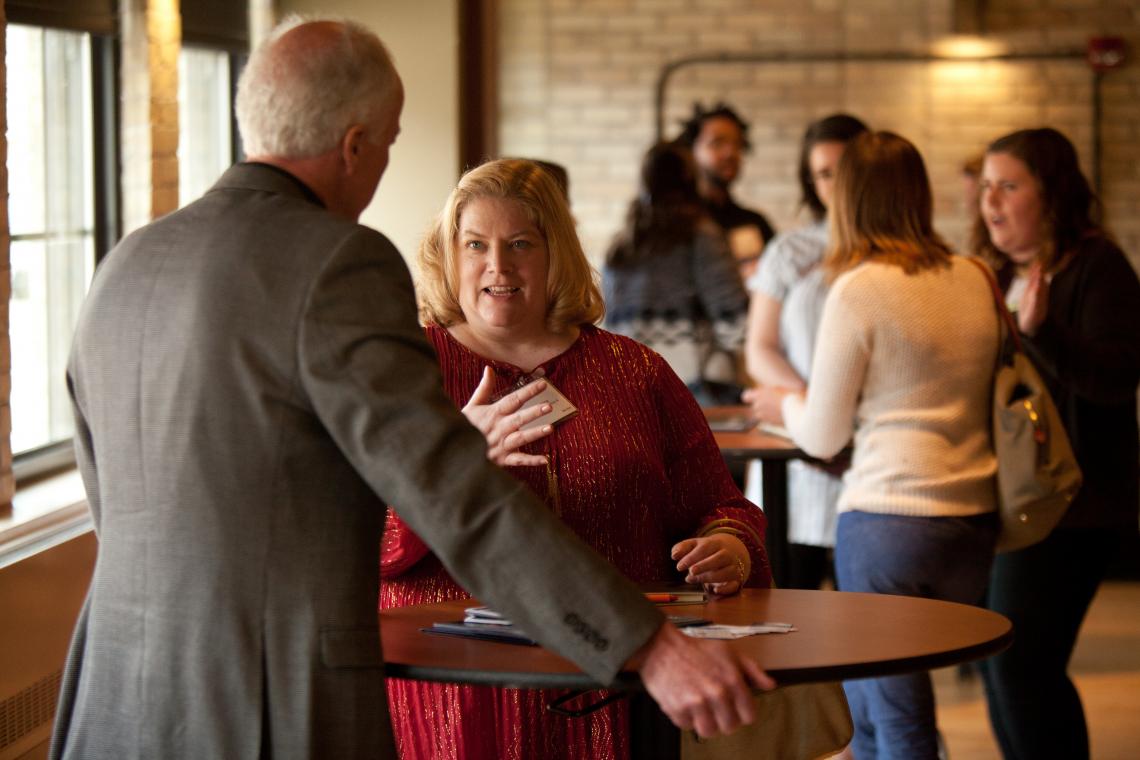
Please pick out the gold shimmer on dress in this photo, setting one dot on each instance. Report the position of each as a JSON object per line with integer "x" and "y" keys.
{"x": 635, "y": 471}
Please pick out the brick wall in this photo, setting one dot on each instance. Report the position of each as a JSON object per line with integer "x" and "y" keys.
{"x": 7, "y": 483}
{"x": 577, "y": 82}
{"x": 151, "y": 32}
{"x": 261, "y": 21}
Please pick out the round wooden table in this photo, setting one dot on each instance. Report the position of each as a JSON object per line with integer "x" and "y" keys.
{"x": 839, "y": 636}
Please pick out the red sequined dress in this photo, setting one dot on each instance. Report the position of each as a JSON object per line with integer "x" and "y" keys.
{"x": 633, "y": 473}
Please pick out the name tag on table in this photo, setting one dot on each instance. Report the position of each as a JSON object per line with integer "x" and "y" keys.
{"x": 561, "y": 407}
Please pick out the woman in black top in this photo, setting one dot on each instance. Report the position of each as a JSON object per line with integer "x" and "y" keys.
{"x": 1077, "y": 303}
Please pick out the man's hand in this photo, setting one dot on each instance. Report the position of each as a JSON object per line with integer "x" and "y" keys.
{"x": 700, "y": 685}
{"x": 499, "y": 422}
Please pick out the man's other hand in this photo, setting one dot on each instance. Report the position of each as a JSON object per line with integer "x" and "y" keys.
{"x": 700, "y": 684}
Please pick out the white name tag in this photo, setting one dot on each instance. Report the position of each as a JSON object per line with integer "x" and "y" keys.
{"x": 561, "y": 407}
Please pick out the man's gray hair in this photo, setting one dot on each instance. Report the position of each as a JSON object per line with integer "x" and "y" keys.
{"x": 299, "y": 106}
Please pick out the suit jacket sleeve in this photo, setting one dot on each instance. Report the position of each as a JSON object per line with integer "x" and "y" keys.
{"x": 374, "y": 382}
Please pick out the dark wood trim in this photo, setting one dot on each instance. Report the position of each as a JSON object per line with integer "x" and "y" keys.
{"x": 93, "y": 16}
{"x": 105, "y": 141}
{"x": 478, "y": 83}
{"x": 222, "y": 24}
{"x": 237, "y": 147}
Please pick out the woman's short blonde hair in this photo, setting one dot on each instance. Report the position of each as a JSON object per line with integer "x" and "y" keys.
{"x": 883, "y": 209}
{"x": 572, "y": 294}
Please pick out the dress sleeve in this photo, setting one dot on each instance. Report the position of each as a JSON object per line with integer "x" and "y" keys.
{"x": 704, "y": 497}
{"x": 823, "y": 422}
{"x": 400, "y": 548}
{"x": 1095, "y": 351}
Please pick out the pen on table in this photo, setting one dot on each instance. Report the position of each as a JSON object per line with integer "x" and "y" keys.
{"x": 771, "y": 624}
{"x": 661, "y": 597}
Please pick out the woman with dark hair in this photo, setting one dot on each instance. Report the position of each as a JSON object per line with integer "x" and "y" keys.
{"x": 1077, "y": 303}
{"x": 788, "y": 292}
{"x": 671, "y": 283}
{"x": 904, "y": 362}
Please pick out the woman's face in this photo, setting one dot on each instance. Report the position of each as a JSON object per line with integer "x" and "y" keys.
{"x": 503, "y": 263}
{"x": 823, "y": 160}
{"x": 1011, "y": 207}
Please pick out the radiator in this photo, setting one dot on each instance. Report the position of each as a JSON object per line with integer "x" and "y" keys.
{"x": 40, "y": 597}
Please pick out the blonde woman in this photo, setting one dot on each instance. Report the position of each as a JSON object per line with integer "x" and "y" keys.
{"x": 509, "y": 296}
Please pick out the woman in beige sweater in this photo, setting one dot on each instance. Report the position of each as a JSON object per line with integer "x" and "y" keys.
{"x": 903, "y": 364}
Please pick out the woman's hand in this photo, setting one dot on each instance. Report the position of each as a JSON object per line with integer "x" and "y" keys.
{"x": 499, "y": 422}
{"x": 1034, "y": 306}
{"x": 767, "y": 402}
{"x": 720, "y": 562}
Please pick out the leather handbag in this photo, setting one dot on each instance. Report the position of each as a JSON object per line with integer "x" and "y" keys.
{"x": 1038, "y": 475}
{"x": 799, "y": 722}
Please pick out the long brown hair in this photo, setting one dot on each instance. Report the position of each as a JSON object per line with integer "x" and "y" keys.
{"x": 840, "y": 128}
{"x": 1070, "y": 210}
{"x": 666, "y": 211}
{"x": 883, "y": 208}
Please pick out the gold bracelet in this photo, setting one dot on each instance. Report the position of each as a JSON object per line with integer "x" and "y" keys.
{"x": 740, "y": 569}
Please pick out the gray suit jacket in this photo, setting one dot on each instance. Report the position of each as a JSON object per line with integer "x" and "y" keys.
{"x": 250, "y": 387}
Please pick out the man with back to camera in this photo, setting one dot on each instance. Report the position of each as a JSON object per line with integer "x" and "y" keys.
{"x": 250, "y": 387}
{"x": 718, "y": 139}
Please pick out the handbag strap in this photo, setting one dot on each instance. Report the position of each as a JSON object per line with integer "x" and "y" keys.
{"x": 999, "y": 302}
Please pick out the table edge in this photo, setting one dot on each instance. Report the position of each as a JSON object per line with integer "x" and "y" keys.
{"x": 629, "y": 681}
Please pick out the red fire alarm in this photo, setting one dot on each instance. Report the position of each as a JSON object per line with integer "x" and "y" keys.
{"x": 1106, "y": 52}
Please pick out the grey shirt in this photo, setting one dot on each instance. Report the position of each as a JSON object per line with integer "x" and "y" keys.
{"x": 790, "y": 273}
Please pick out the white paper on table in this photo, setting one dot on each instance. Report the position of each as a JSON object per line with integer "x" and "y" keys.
{"x": 716, "y": 631}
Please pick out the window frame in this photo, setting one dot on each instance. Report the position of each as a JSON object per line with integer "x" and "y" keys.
{"x": 51, "y": 458}
{"x": 215, "y": 24}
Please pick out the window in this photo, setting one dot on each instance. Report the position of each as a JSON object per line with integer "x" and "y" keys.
{"x": 205, "y": 145}
{"x": 51, "y": 210}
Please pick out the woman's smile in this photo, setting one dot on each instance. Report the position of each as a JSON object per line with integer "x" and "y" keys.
{"x": 503, "y": 264}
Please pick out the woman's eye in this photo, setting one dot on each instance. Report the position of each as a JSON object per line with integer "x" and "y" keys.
{"x": 520, "y": 244}
{"x": 474, "y": 245}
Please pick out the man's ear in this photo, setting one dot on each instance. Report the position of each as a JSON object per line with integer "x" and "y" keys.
{"x": 350, "y": 146}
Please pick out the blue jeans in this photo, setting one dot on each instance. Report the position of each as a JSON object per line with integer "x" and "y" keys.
{"x": 945, "y": 558}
